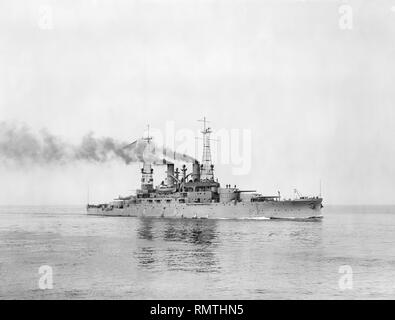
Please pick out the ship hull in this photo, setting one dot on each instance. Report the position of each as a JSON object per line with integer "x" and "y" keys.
{"x": 292, "y": 209}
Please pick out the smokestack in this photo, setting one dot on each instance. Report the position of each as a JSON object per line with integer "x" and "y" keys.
{"x": 170, "y": 174}
{"x": 196, "y": 171}
{"x": 147, "y": 181}
{"x": 184, "y": 172}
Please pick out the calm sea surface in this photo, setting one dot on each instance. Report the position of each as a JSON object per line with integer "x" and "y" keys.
{"x": 132, "y": 258}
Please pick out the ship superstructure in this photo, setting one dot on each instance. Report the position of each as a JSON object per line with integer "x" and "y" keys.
{"x": 198, "y": 194}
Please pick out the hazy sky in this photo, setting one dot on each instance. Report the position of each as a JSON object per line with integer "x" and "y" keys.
{"x": 317, "y": 99}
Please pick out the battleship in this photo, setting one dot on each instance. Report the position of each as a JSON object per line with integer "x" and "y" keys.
{"x": 198, "y": 195}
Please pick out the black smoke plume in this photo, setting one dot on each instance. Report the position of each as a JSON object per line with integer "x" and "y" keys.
{"x": 20, "y": 145}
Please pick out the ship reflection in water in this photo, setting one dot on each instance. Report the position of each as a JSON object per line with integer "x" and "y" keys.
{"x": 178, "y": 245}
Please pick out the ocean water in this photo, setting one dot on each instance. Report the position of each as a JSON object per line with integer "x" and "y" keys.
{"x": 134, "y": 258}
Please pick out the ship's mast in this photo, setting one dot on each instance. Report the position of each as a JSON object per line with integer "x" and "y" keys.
{"x": 147, "y": 181}
{"x": 148, "y": 138}
{"x": 207, "y": 172}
